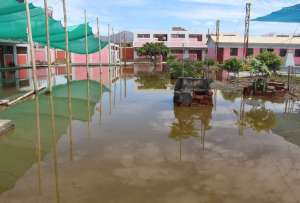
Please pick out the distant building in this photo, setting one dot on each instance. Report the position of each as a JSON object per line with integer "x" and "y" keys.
{"x": 183, "y": 44}
{"x": 231, "y": 46}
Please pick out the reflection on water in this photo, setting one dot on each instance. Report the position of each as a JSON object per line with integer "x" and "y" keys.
{"x": 147, "y": 150}
{"x": 190, "y": 123}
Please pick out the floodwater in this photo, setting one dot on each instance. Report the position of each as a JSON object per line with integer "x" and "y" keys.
{"x": 131, "y": 145}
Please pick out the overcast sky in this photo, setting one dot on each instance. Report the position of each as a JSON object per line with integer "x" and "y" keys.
{"x": 194, "y": 15}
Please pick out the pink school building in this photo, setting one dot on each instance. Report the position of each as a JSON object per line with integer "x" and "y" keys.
{"x": 13, "y": 54}
{"x": 183, "y": 44}
{"x": 231, "y": 46}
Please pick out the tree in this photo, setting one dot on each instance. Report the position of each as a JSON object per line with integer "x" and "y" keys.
{"x": 233, "y": 65}
{"x": 271, "y": 60}
{"x": 153, "y": 50}
{"x": 259, "y": 68}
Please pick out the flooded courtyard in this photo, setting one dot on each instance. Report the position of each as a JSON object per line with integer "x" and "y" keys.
{"x": 127, "y": 143}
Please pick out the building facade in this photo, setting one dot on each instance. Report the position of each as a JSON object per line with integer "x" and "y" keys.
{"x": 15, "y": 58}
{"x": 183, "y": 44}
{"x": 232, "y": 46}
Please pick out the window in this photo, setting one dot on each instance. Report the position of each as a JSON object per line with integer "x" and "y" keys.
{"x": 270, "y": 50}
{"x": 297, "y": 53}
{"x": 8, "y": 50}
{"x": 22, "y": 50}
{"x": 234, "y": 51}
{"x": 161, "y": 37}
{"x": 250, "y": 52}
{"x": 178, "y": 35}
{"x": 143, "y": 35}
{"x": 283, "y": 52}
{"x": 199, "y": 37}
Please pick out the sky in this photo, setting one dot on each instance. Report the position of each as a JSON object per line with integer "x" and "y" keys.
{"x": 161, "y": 15}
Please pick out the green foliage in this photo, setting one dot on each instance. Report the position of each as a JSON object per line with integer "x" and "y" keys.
{"x": 271, "y": 60}
{"x": 209, "y": 62}
{"x": 233, "y": 65}
{"x": 260, "y": 84}
{"x": 246, "y": 65}
{"x": 152, "y": 81}
{"x": 187, "y": 122}
{"x": 187, "y": 68}
{"x": 230, "y": 95}
{"x": 261, "y": 119}
{"x": 259, "y": 68}
{"x": 153, "y": 50}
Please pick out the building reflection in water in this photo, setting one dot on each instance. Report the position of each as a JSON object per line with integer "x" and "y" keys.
{"x": 190, "y": 123}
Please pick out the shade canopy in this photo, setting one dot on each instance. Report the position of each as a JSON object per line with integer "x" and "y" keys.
{"x": 285, "y": 15}
{"x": 13, "y": 26}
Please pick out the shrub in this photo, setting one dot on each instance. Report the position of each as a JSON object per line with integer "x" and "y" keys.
{"x": 209, "y": 62}
{"x": 271, "y": 60}
{"x": 187, "y": 68}
{"x": 233, "y": 65}
{"x": 259, "y": 68}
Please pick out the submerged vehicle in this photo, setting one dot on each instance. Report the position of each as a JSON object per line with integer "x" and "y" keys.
{"x": 192, "y": 91}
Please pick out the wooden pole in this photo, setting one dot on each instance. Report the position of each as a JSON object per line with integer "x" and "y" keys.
{"x": 86, "y": 47}
{"x": 48, "y": 46}
{"x": 125, "y": 51}
{"x": 114, "y": 54}
{"x": 67, "y": 42}
{"x": 32, "y": 50}
{"x": 100, "y": 66}
{"x": 99, "y": 55}
{"x": 109, "y": 48}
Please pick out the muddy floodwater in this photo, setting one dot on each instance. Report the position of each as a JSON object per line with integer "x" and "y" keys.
{"x": 132, "y": 145}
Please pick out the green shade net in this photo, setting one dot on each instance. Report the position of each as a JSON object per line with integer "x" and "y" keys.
{"x": 18, "y": 149}
{"x": 13, "y": 26}
{"x": 284, "y": 15}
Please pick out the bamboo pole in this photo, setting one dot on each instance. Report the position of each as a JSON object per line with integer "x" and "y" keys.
{"x": 87, "y": 71}
{"x": 100, "y": 67}
{"x": 86, "y": 46}
{"x": 48, "y": 46}
{"x": 32, "y": 50}
{"x": 99, "y": 55}
{"x": 119, "y": 43}
{"x": 67, "y": 42}
{"x": 109, "y": 47}
{"x": 114, "y": 53}
{"x": 125, "y": 50}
